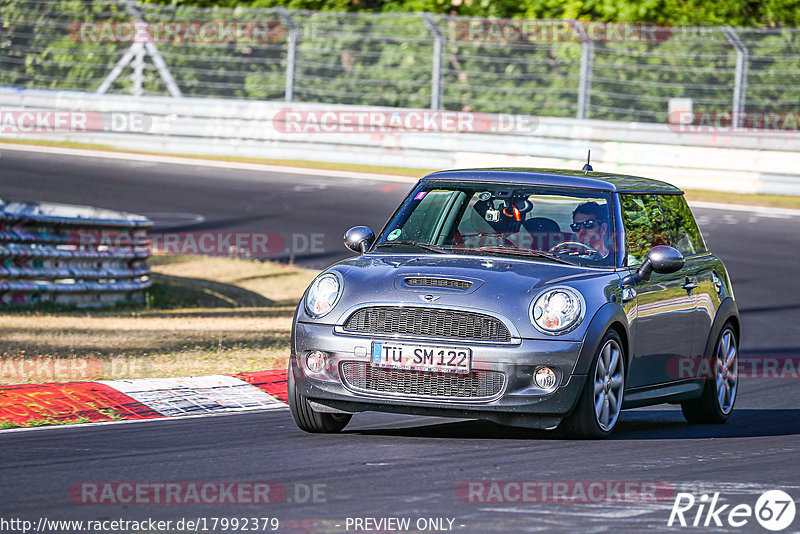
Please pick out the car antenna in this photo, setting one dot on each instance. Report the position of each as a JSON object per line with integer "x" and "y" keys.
{"x": 586, "y": 168}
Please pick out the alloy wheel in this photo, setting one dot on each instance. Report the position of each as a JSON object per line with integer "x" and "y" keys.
{"x": 727, "y": 366}
{"x": 609, "y": 382}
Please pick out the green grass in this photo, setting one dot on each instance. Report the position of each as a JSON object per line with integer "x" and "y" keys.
{"x": 45, "y": 421}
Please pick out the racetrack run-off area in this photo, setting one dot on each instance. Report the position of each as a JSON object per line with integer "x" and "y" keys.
{"x": 401, "y": 466}
{"x": 110, "y": 400}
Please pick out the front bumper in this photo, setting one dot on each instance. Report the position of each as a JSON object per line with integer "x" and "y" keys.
{"x": 520, "y": 402}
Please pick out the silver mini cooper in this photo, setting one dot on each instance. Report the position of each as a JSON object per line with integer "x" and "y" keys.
{"x": 528, "y": 297}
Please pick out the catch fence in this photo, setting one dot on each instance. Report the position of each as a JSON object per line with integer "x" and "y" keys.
{"x": 619, "y": 72}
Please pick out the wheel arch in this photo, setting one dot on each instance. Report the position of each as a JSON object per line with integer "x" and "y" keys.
{"x": 610, "y": 316}
{"x": 727, "y": 312}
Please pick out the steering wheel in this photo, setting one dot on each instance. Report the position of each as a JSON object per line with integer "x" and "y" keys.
{"x": 567, "y": 247}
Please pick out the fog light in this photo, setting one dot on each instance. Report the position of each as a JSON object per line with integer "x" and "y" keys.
{"x": 545, "y": 378}
{"x": 315, "y": 361}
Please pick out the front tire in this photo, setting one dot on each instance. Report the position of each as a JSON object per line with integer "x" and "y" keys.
{"x": 600, "y": 402}
{"x": 719, "y": 394}
{"x": 307, "y": 419}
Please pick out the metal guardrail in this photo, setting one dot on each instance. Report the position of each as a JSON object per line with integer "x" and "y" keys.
{"x": 71, "y": 255}
{"x": 746, "y": 163}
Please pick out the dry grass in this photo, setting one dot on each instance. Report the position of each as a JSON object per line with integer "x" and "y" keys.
{"x": 759, "y": 199}
{"x": 303, "y": 164}
{"x": 281, "y": 284}
{"x": 207, "y": 316}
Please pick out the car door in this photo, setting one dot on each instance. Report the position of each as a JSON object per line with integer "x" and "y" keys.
{"x": 664, "y": 310}
{"x": 698, "y": 272}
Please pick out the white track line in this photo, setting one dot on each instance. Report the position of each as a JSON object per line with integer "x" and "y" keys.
{"x": 86, "y": 153}
{"x": 313, "y": 172}
{"x": 760, "y": 210}
{"x": 197, "y": 394}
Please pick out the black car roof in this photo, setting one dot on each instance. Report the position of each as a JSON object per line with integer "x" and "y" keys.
{"x": 558, "y": 177}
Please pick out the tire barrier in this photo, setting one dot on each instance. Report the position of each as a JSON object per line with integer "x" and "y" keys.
{"x": 72, "y": 255}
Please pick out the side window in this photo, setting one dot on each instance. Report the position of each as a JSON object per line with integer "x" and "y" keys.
{"x": 684, "y": 233}
{"x": 645, "y": 226}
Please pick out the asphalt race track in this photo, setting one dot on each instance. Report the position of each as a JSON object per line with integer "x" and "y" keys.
{"x": 397, "y": 466}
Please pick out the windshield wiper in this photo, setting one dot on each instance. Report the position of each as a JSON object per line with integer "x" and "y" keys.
{"x": 525, "y": 252}
{"x": 425, "y": 246}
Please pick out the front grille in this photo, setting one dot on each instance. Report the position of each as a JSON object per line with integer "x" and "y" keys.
{"x": 361, "y": 376}
{"x": 428, "y": 322}
{"x": 439, "y": 282}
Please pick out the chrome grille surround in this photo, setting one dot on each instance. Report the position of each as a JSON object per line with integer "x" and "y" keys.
{"x": 427, "y": 281}
{"x": 362, "y": 377}
{"x": 426, "y": 322}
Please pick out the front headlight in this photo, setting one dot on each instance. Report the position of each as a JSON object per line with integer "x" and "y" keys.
{"x": 322, "y": 295}
{"x": 557, "y": 311}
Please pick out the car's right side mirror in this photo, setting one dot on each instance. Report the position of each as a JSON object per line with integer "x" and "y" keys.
{"x": 662, "y": 260}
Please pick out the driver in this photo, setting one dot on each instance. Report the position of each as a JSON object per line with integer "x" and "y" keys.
{"x": 590, "y": 223}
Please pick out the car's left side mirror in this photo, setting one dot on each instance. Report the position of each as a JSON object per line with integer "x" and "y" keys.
{"x": 359, "y": 238}
{"x": 662, "y": 260}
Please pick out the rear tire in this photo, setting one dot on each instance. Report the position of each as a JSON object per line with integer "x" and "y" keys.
{"x": 307, "y": 419}
{"x": 600, "y": 402}
{"x": 719, "y": 394}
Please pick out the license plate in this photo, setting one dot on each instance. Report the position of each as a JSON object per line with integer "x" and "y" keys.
{"x": 421, "y": 357}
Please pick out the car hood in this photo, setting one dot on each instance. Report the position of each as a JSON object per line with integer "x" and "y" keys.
{"x": 500, "y": 285}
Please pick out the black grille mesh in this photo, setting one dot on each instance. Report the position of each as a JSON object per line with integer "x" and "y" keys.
{"x": 428, "y": 322}
{"x": 362, "y": 376}
{"x": 439, "y": 282}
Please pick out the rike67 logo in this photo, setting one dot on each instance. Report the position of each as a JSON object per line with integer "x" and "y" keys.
{"x": 774, "y": 510}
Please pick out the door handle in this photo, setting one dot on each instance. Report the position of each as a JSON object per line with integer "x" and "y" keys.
{"x": 689, "y": 285}
{"x": 628, "y": 294}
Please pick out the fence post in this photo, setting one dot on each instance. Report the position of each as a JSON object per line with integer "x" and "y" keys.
{"x": 740, "y": 81}
{"x": 438, "y": 60}
{"x": 163, "y": 71}
{"x": 291, "y": 51}
{"x": 585, "y": 81}
{"x": 138, "y": 72}
{"x": 126, "y": 58}
{"x": 133, "y": 54}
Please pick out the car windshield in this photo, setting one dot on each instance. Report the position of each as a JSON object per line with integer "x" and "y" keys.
{"x": 535, "y": 222}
